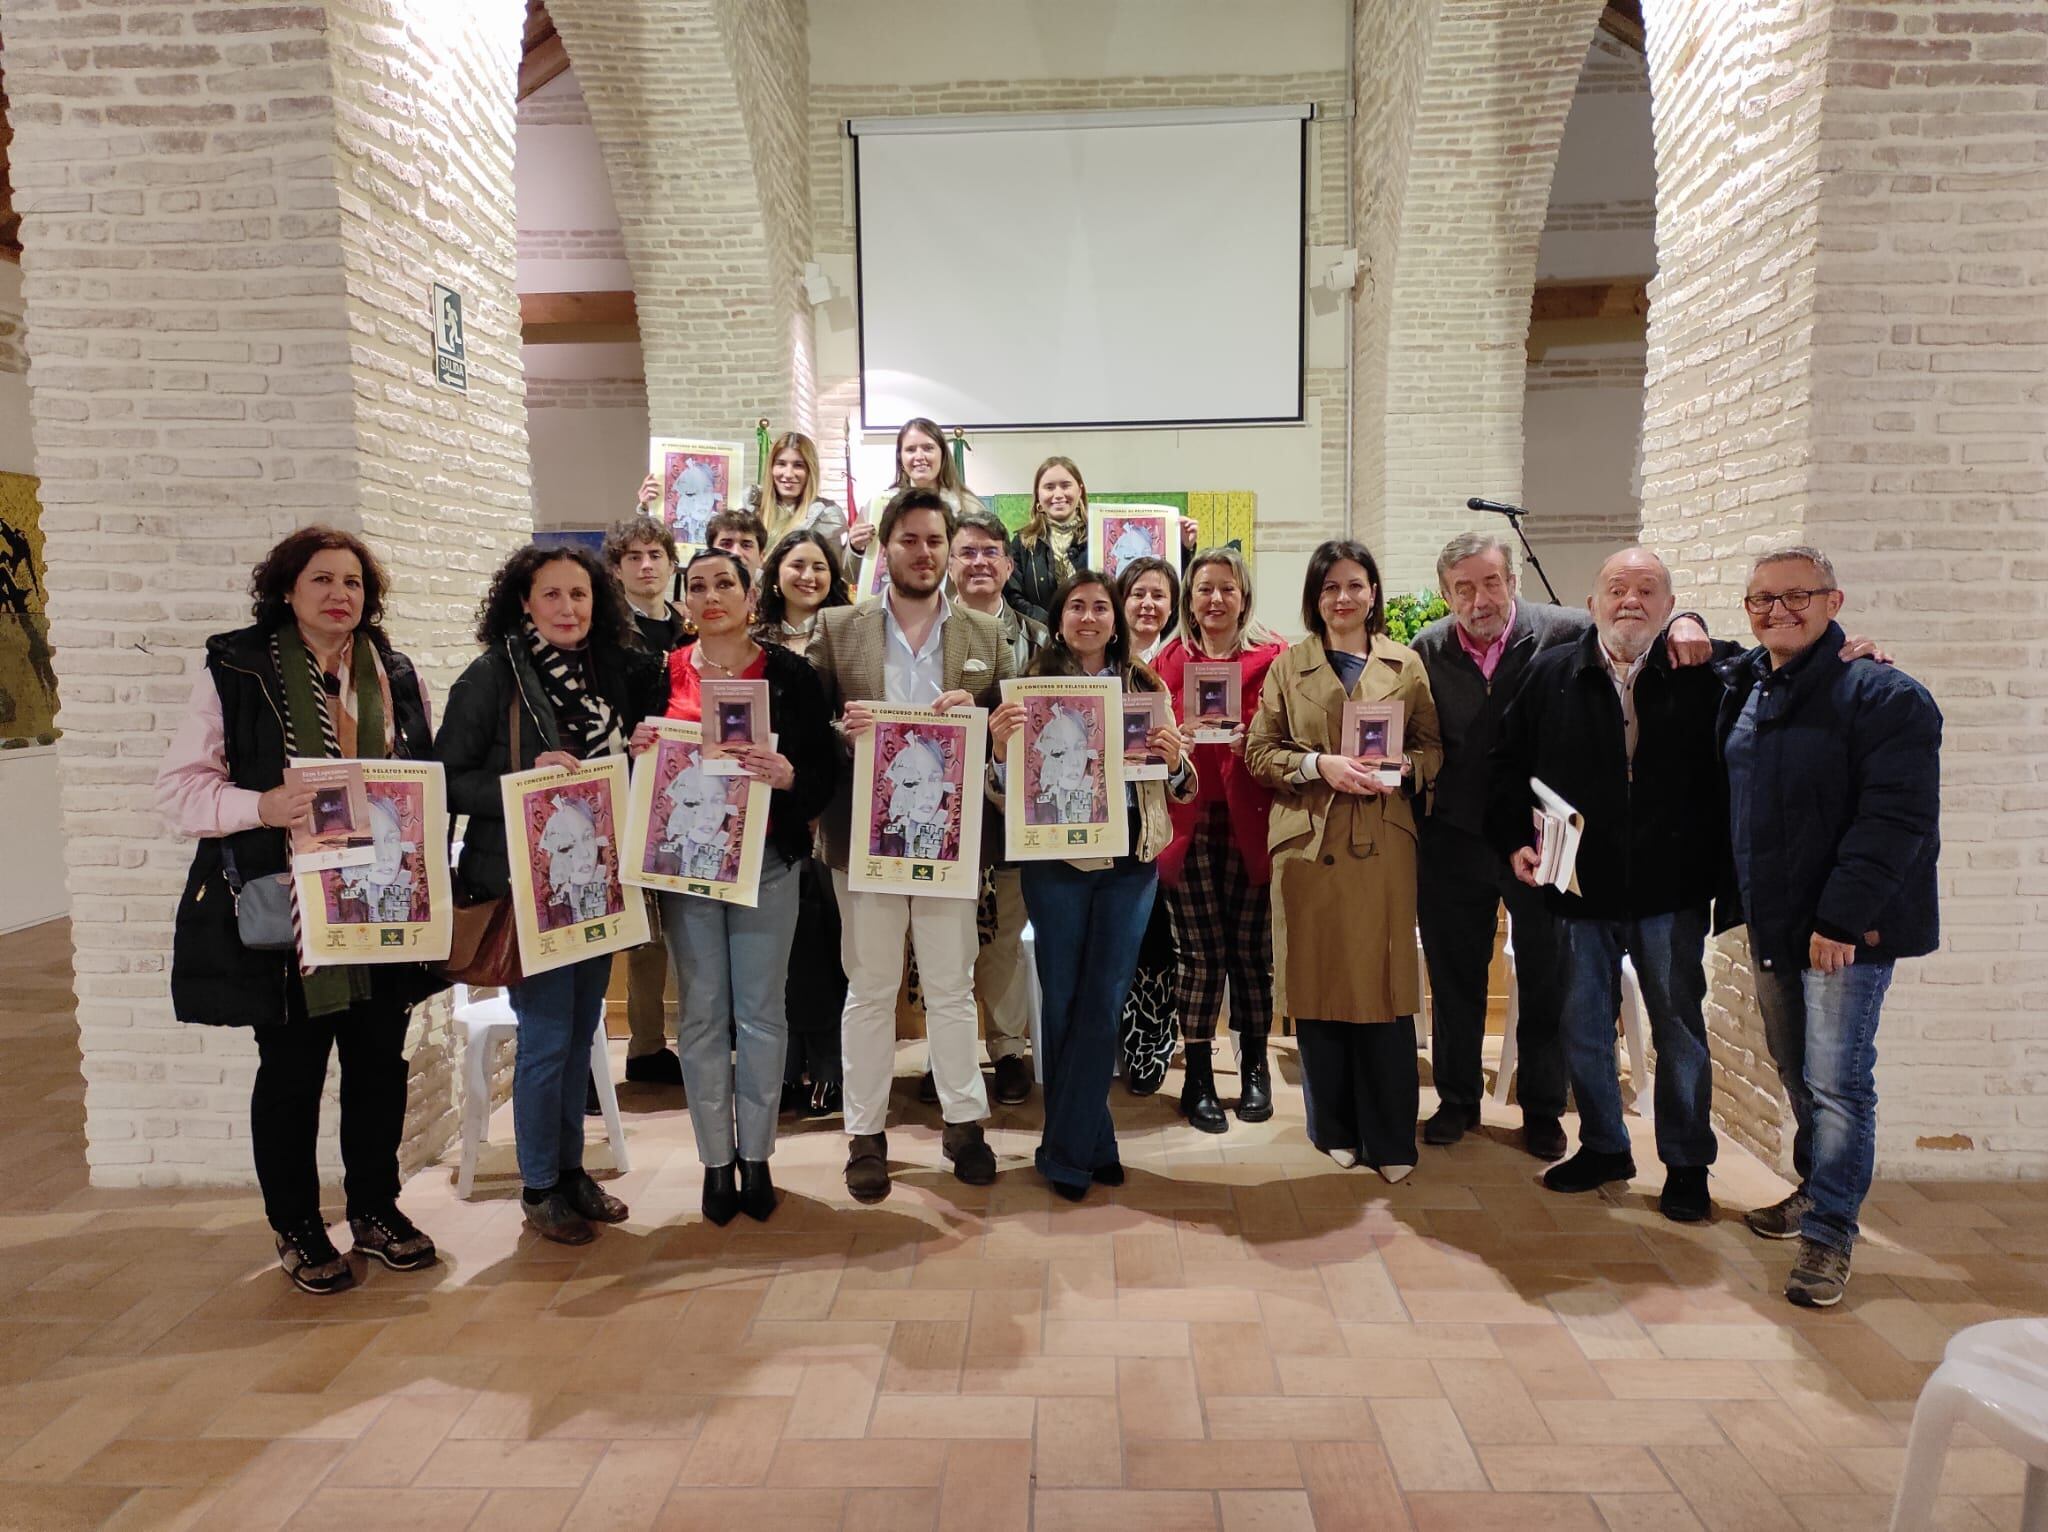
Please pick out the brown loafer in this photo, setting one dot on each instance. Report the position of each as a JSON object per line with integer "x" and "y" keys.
{"x": 592, "y": 1200}
{"x": 973, "y": 1161}
{"x": 555, "y": 1218}
{"x": 867, "y": 1166}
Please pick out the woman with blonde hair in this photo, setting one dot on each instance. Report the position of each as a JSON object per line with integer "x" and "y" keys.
{"x": 788, "y": 500}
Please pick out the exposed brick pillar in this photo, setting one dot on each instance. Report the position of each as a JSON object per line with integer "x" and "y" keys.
{"x": 700, "y": 107}
{"x": 231, "y": 215}
{"x": 1846, "y": 349}
{"x": 1463, "y": 106}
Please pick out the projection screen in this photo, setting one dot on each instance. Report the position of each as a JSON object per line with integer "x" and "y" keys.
{"x": 1082, "y": 269}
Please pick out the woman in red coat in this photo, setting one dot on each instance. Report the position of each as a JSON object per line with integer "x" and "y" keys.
{"x": 1216, "y": 874}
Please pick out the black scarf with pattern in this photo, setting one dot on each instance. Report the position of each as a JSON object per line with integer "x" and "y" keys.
{"x": 585, "y": 721}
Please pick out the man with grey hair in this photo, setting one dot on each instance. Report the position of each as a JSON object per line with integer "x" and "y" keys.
{"x": 1477, "y": 658}
{"x": 1626, "y": 738}
{"x": 1834, "y": 812}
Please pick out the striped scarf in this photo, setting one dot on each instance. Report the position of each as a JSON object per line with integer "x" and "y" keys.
{"x": 583, "y": 718}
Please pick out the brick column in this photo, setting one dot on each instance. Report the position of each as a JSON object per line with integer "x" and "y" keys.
{"x": 1462, "y": 110}
{"x": 231, "y": 215}
{"x": 700, "y": 107}
{"x": 1846, "y": 339}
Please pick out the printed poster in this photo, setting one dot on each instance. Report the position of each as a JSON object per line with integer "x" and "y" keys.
{"x": 1117, "y": 534}
{"x": 336, "y": 830}
{"x": 1144, "y": 712}
{"x": 397, "y": 906}
{"x": 690, "y": 830}
{"x": 917, "y": 799}
{"x": 1063, "y": 772}
{"x": 562, "y": 838}
{"x": 698, "y": 480}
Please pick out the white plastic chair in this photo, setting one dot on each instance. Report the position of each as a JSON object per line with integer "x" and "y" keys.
{"x": 1635, "y": 1026}
{"x": 1994, "y": 1377}
{"x": 485, "y": 1024}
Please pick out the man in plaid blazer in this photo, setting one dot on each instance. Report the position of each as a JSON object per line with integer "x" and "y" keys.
{"x": 910, "y": 647}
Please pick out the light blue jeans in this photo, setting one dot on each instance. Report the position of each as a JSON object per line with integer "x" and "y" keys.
{"x": 733, "y": 1031}
{"x": 558, "y": 1013}
{"x": 1822, "y": 1030}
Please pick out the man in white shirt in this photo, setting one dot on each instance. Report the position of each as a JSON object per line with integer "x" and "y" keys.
{"x": 910, "y": 648}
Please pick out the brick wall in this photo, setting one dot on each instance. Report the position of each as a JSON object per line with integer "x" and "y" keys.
{"x": 1845, "y": 348}
{"x": 228, "y": 221}
{"x": 700, "y": 108}
{"x": 1490, "y": 103}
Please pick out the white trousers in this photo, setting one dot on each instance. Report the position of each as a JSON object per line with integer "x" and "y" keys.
{"x": 871, "y": 932}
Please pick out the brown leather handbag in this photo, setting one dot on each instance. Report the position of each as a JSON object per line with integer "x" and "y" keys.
{"x": 484, "y": 949}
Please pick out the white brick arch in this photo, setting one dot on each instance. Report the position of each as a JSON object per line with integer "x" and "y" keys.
{"x": 699, "y": 108}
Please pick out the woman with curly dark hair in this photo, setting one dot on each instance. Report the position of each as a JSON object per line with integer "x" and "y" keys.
{"x": 562, "y": 654}
{"x": 800, "y": 579}
{"x": 313, "y": 675}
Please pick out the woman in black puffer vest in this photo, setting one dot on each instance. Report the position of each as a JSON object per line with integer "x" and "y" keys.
{"x": 312, "y": 676}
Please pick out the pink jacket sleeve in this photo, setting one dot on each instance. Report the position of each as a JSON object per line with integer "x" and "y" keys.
{"x": 192, "y": 787}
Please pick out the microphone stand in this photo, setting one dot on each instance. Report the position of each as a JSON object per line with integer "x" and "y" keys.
{"x": 1529, "y": 553}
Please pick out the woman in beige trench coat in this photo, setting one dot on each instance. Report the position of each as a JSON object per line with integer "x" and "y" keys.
{"x": 1344, "y": 951}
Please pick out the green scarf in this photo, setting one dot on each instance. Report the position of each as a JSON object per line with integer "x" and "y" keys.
{"x": 330, "y": 989}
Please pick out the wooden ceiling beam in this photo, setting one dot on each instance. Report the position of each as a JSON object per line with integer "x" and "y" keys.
{"x": 1623, "y": 21}
{"x": 1617, "y": 298}
{"x": 551, "y": 319}
{"x": 543, "y": 56}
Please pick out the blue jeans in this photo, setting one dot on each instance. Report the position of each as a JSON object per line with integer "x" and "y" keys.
{"x": 558, "y": 1014}
{"x": 1669, "y": 956}
{"x": 1086, "y": 930}
{"x": 1822, "y": 1030}
{"x": 737, "y": 960}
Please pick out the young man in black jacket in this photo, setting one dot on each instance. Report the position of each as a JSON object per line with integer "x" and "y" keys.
{"x": 1477, "y": 659}
{"x": 1618, "y": 732}
{"x": 1834, "y": 784}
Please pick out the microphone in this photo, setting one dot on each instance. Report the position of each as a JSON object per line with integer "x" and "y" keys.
{"x": 1498, "y": 507}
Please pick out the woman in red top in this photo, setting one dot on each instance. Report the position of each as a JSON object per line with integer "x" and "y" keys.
{"x": 734, "y": 1028}
{"x": 1217, "y": 874}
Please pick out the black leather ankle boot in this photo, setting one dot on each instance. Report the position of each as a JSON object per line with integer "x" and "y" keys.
{"x": 721, "y": 1196}
{"x": 757, "y": 1190}
{"x": 1198, "y": 1103}
{"x": 1255, "y": 1076}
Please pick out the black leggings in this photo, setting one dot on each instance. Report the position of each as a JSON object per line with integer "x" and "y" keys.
{"x": 284, "y": 1108}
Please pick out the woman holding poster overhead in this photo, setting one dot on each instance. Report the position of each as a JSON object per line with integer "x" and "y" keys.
{"x": 733, "y": 1030}
{"x": 789, "y": 499}
{"x": 313, "y": 675}
{"x": 1216, "y": 874}
{"x": 1343, "y": 844}
{"x": 562, "y": 679}
{"x": 1089, "y": 915}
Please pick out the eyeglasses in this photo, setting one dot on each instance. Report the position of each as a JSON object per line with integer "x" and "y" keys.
{"x": 983, "y": 555}
{"x": 1795, "y": 601}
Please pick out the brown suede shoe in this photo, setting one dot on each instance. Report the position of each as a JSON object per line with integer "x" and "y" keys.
{"x": 973, "y": 1161}
{"x": 867, "y": 1166}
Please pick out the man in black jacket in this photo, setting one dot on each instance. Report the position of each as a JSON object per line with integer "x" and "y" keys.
{"x": 1477, "y": 659}
{"x": 1834, "y": 782}
{"x": 1627, "y": 739}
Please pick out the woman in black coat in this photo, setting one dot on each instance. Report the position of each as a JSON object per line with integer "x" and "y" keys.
{"x": 734, "y": 1029}
{"x": 313, "y": 675}
{"x": 561, "y": 655}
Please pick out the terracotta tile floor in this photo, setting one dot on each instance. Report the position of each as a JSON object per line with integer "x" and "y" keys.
{"x": 1242, "y": 1338}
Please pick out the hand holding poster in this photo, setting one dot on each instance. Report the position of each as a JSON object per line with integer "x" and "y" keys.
{"x": 1212, "y": 705}
{"x": 1064, "y": 771}
{"x": 1118, "y": 534}
{"x": 688, "y": 830}
{"x": 698, "y": 480}
{"x": 1372, "y": 731}
{"x": 562, "y": 838}
{"x": 917, "y": 802}
{"x": 396, "y": 906}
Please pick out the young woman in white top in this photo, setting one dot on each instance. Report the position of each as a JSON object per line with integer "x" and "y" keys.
{"x": 922, "y": 462}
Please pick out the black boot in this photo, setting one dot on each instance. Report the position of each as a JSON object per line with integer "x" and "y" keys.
{"x": 757, "y": 1190}
{"x": 1255, "y": 1079}
{"x": 721, "y": 1196}
{"x": 1198, "y": 1103}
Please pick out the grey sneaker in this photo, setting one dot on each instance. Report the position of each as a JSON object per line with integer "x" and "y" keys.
{"x": 1819, "y": 1274}
{"x": 1781, "y": 1219}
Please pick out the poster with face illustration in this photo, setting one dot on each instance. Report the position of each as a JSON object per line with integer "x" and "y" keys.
{"x": 395, "y": 907}
{"x": 1064, "y": 771}
{"x": 698, "y": 480}
{"x": 688, "y": 829}
{"x": 562, "y": 839}
{"x": 1119, "y": 533}
{"x": 874, "y": 573}
{"x": 917, "y": 795}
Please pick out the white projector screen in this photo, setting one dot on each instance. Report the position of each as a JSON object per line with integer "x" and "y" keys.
{"x": 1104, "y": 270}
